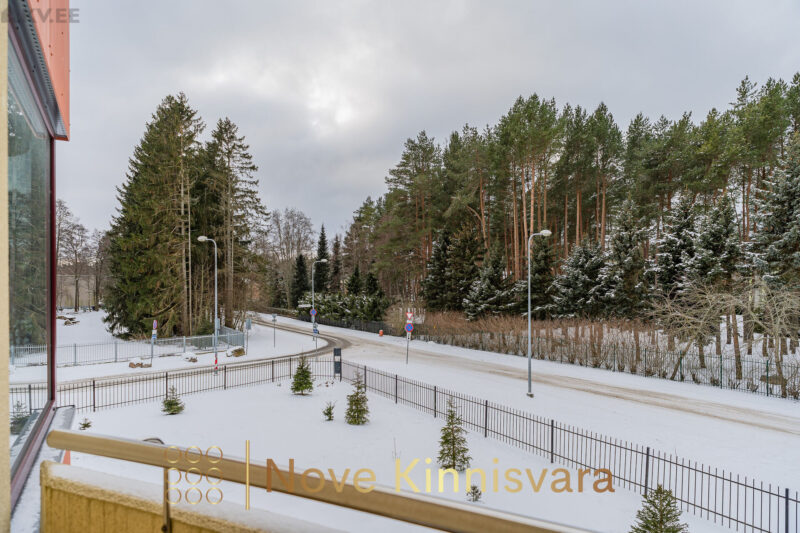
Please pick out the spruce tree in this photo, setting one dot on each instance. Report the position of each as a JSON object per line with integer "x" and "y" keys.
{"x": 659, "y": 514}
{"x": 150, "y": 245}
{"x": 172, "y": 404}
{"x": 357, "y": 412}
{"x": 543, "y": 260}
{"x": 371, "y": 287}
{"x": 354, "y": 282}
{"x": 489, "y": 294}
{"x": 453, "y": 451}
{"x": 335, "y": 282}
{"x": 462, "y": 268}
{"x": 303, "y": 381}
{"x": 776, "y": 249}
{"x": 675, "y": 248}
{"x": 623, "y": 288}
{"x": 19, "y": 417}
{"x": 434, "y": 286}
{"x": 717, "y": 252}
{"x": 299, "y": 280}
{"x": 321, "y": 270}
{"x": 576, "y": 291}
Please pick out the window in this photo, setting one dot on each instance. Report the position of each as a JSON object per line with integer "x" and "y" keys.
{"x": 29, "y": 251}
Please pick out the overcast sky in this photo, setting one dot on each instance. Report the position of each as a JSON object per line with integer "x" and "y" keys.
{"x": 327, "y": 92}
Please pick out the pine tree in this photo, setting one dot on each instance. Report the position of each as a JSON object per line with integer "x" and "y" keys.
{"x": 321, "y": 270}
{"x": 299, "y": 280}
{"x": 354, "y": 282}
{"x": 328, "y": 411}
{"x": 19, "y": 417}
{"x": 659, "y": 514}
{"x": 371, "y": 287}
{"x": 357, "y": 412}
{"x": 623, "y": 288}
{"x": 489, "y": 294}
{"x": 576, "y": 291}
{"x": 675, "y": 248}
{"x": 453, "y": 451}
{"x": 434, "y": 286}
{"x": 776, "y": 249}
{"x": 717, "y": 252}
{"x": 85, "y": 424}
{"x": 172, "y": 404}
{"x": 303, "y": 381}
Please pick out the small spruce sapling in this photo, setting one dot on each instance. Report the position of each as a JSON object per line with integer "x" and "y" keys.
{"x": 85, "y": 424}
{"x": 302, "y": 382}
{"x": 659, "y": 514}
{"x": 474, "y": 493}
{"x": 453, "y": 451}
{"x": 18, "y": 418}
{"x": 357, "y": 412}
{"x": 328, "y": 411}
{"x": 172, "y": 404}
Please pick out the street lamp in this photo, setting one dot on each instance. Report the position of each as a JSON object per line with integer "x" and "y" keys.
{"x": 203, "y": 238}
{"x": 313, "y": 316}
{"x": 543, "y": 233}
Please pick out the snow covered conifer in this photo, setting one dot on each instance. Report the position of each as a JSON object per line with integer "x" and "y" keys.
{"x": 622, "y": 278}
{"x": 453, "y": 451}
{"x": 462, "y": 267}
{"x": 321, "y": 277}
{"x": 776, "y": 250}
{"x": 302, "y": 382}
{"x": 543, "y": 259}
{"x": 299, "y": 280}
{"x": 328, "y": 411}
{"x": 716, "y": 246}
{"x": 434, "y": 286}
{"x": 675, "y": 248}
{"x": 357, "y": 412}
{"x": 575, "y": 290}
{"x": 659, "y": 514}
{"x": 353, "y": 284}
{"x": 172, "y": 404}
{"x": 18, "y": 418}
{"x": 489, "y": 294}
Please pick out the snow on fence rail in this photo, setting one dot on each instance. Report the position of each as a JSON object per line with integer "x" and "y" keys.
{"x": 723, "y": 497}
{"x": 118, "y": 350}
{"x": 758, "y": 375}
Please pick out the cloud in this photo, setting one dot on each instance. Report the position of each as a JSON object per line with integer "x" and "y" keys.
{"x": 326, "y": 92}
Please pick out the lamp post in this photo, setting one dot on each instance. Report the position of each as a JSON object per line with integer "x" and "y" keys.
{"x": 543, "y": 233}
{"x": 203, "y": 238}
{"x": 313, "y": 315}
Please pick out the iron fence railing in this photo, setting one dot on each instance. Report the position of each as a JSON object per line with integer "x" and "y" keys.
{"x": 120, "y": 350}
{"x": 717, "y": 495}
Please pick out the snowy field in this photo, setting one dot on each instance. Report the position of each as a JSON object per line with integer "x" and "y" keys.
{"x": 281, "y": 426}
{"x": 739, "y": 432}
{"x": 92, "y": 329}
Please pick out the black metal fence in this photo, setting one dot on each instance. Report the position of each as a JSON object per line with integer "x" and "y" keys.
{"x": 722, "y": 497}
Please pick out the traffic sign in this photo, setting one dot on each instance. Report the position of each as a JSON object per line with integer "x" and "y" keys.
{"x": 274, "y": 318}
{"x": 313, "y": 312}
{"x": 409, "y": 328}
{"x": 155, "y": 324}
{"x": 315, "y": 331}
{"x": 409, "y": 316}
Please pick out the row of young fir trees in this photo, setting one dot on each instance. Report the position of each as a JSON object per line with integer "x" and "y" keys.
{"x": 569, "y": 170}
{"x": 178, "y": 188}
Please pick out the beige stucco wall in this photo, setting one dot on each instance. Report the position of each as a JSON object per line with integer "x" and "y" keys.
{"x": 5, "y": 479}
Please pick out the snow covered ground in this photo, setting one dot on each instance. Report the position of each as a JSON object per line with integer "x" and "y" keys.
{"x": 739, "y": 432}
{"x": 92, "y": 329}
{"x": 281, "y": 426}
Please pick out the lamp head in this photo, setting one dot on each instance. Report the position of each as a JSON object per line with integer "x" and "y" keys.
{"x": 323, "y": 260}
{"x": 545, "y": 233}
{"x": 202, "y": 238}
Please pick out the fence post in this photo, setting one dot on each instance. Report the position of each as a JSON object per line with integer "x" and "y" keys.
{"x": 94, "y": 403}
{"x": 365, "y": 378}
{"x": 646, "y": 470}
{"x": 786, "y": 512}
{"x": 30, "y": 400}
{"x": 720, "y": 371}
{"x": 395, "y": 388}
{"x": 166, "y": 385}
{"x": 184, "y": 344}
{"x": 769, "y": 388}
{"x": 434, "y": 401}
{"x": 272, "y": 377}
{"x": 486, "y": 419}
{"x": 224, "y": 377}
{"x": 552, "y": 440}
{"x": 74, "y": 354}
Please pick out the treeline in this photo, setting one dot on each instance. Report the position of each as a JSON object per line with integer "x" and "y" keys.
{"x": 573, "y": 172}
{"x": 177, "y": 189}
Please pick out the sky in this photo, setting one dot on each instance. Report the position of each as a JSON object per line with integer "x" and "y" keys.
{"x": 327, "y": 92}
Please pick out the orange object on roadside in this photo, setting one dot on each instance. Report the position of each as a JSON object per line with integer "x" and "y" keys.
{"x": 66, "y": 460}
{"x": 380, "y": 333}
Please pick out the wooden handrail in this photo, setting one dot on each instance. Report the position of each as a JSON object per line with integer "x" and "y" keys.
{"x": 420, "y": 509}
